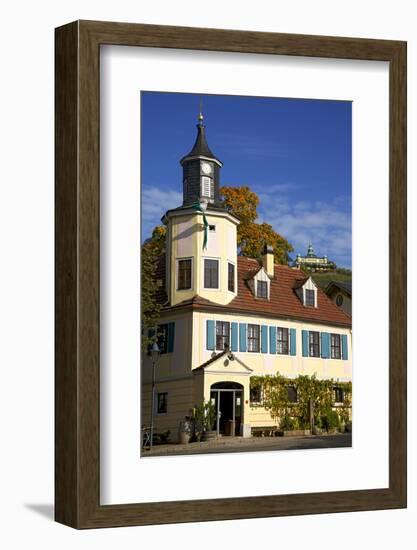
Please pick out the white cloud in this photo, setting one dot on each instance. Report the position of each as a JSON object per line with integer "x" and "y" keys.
{"x": 326, "y": 224}
{"x": 155, "y": 202}
{"x": 277, "y": 187}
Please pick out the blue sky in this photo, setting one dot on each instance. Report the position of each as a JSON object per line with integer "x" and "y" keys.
{"x": 294, "y": 153}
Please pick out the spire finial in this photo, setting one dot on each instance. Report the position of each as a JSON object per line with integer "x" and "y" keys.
{"x": 200, "y": 116}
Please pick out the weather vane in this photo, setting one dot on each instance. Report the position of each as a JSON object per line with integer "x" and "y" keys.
{"x": 200, "y": 116}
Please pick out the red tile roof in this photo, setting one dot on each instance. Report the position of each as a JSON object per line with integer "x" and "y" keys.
{"x": 283, "y": 302}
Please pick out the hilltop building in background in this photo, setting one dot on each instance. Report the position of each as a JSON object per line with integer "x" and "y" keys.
{"x": 312, "y": 262}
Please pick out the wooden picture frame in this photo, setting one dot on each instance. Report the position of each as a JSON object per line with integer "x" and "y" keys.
{"x": 77, "y": 405}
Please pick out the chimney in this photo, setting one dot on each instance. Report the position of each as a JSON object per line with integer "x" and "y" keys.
{"x": 268, "y": 259}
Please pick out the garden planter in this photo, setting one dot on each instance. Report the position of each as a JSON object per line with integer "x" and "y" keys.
{"x": 209, "y": 435}
{"x": 185, "y": 431}
{"x": 292, "y": 433}
{"x": 184, "y": 438}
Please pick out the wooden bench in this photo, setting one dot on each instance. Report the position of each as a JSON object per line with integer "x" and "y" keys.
{"x": 264, "y": 431}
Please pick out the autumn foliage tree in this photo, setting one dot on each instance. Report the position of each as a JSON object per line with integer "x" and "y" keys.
{"x": 252, "y": 236}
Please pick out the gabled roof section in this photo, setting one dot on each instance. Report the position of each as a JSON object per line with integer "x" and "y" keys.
{"x": 283, "y": 302}
{"x": 299, "y": 283}
{"x": 213, "y": 359}
{"x": 251, "y": 273}
{"x": 234, "y": 364}
{"x": 254, "y": 272}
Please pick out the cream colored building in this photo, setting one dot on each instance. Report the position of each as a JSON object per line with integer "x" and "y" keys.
{"x": 226, "y": 318}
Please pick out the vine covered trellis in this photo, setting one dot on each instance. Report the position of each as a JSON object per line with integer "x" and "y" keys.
{"x": 290, "y": 414}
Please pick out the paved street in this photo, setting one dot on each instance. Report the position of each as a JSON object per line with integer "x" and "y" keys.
{"x": 239, "y": 444}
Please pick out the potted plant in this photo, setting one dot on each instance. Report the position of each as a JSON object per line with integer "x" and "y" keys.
{"x": 204, "y": 417}
{"x": 185, "y": 430}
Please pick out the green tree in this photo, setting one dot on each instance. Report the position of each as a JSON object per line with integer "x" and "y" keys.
{"x": 157, "y": 240}
{"x": 151, "y": 251}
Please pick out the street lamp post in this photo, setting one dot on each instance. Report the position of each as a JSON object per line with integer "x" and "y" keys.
{"x": 154, "y": 357}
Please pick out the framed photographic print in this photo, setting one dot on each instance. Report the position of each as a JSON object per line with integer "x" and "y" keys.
{"x": 230, "y": 274}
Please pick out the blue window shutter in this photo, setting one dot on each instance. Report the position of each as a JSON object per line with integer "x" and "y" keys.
{"x": 293, "y": 341}
{"x": 171, "y": 336}
{"x": 242, "y": 336}
{"x": 234, "y": 336}
{"x": 272, "y": 339}
{"x": 325, "y": 345}
{"x": 211, "y": 340}
{"x": 264, "y": 339}
{"x": 344, "y": 347}
{"x": 304, "y": 334}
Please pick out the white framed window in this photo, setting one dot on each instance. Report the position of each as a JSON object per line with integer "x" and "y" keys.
{"x": 310, "y": 298}
{"x": 211, "y": 273}
{"x": 262, "y": 289}
{"x": 184, "y": 273}
{"x": 222, "y": 335}
{"x": 282, "y": 341}
{"x": 231, "y": 283}
{"x": 314, "y": 343}
{"x": 256, "y": 395}
{"x": 335, "y": 346}
{"x": 254, "y": 338}
{"x": 260, "y": 285}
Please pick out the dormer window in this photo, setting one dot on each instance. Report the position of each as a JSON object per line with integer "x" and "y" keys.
{"x": 309, "y": 297}
{"x": 260, "y": 284}
{"x": 306, "y": 291}
{"x": 262, "y": 289}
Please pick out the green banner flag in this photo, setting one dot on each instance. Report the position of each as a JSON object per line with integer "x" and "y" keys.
{"x": 197, "y": 206}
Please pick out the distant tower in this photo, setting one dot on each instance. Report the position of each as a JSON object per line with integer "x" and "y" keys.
{"x": 201, "y": 170}
{"x": 191, "y": 270}
{"x": 310, "y": 251}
